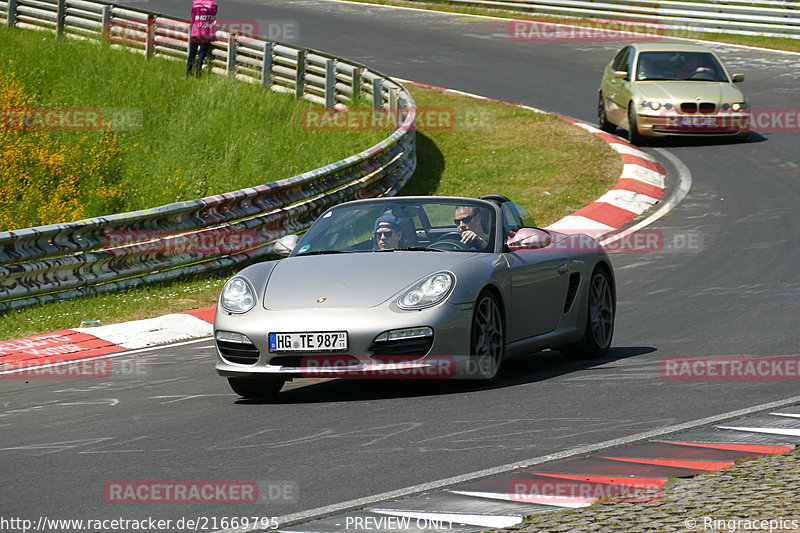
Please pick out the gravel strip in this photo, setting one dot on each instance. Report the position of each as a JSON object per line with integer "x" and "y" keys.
{"x": 738, "y": 499}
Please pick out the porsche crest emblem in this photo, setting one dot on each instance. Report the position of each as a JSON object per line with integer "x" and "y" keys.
{"x": 321, "y": 299}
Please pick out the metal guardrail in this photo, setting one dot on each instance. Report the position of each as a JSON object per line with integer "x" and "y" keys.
{"x": 65, "y": 260}
{"x": 767, "y": 18}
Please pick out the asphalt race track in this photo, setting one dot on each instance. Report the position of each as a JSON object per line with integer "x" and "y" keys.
{"x": 724, "y": 285}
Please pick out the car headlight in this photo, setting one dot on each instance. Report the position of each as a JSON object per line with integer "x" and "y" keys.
{"x": 430, "y": 291}
{"x": 237, "y": 296}
{"x": 655, "y": 106}
{"x": 736, "y": 106}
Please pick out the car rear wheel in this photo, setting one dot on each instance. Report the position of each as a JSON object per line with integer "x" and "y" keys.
{"x": 599, "y": 329}
{"x": 634, "y": 137}
{"x": 487, "y": 338}
{"x": 257, "y": 388}
{"x": 602, "y": 119}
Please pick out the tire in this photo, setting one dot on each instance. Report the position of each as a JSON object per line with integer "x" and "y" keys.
{"x": 602, "y": 119}
{"x": 634, "y": 137}
{"x": 487, "y": 338}
{"x": 599, "y": 328}
{"x": 257, "y": 388}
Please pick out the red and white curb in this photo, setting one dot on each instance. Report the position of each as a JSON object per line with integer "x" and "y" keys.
{"x": 82, "y": 343}
{"x": 641, "y": 185}
{"x": 639, "y": 188}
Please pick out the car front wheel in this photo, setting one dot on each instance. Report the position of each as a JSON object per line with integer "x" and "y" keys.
{"x": 487, "y": 338}
{"x": 602, "y": 119}
{"x": 599, "y": 329}
{"x": 634, "y": 137}
{"x": 257, "y": 388}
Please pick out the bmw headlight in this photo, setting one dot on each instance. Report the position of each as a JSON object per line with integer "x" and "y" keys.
{"x": 237, "y": 296}
{"x": 655, "y": 106}
{"x": 430, "y": 291}
{"x": 736, "y": 106}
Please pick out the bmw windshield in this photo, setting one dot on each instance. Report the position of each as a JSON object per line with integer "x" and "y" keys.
{"x": 679, "y": 66}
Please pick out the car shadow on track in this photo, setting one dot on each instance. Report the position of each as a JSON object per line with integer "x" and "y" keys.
{"x": 528, "y": 369}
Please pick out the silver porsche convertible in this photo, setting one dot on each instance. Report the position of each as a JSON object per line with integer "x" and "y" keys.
{"x": 413, "y": 288}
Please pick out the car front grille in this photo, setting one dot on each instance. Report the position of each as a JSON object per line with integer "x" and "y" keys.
{"x": 237, "y": 352}
{"x": 703, "y": 107}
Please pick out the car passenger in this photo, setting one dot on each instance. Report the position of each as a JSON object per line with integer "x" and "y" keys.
{"x": 388, "y": 232}
{"x": 469, "y": 222}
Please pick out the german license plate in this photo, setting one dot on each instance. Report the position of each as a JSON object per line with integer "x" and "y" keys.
{"x": 325, "y": 341}
{"x": 699, "y": 121}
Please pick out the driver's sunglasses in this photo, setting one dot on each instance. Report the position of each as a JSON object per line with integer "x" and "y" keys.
{"x": 465, "y": 220}
{"x": 387, "y": 234}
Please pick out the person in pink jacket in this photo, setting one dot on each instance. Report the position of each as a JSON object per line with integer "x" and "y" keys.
{"x": 201, "y": 34}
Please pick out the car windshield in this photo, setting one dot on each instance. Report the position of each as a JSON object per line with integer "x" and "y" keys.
{"x": 676, "y": 66}
{"x": 402, "y": 224}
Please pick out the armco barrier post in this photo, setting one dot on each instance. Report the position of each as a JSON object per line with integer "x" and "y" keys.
{"x": 11, "y": 16}
{"x": 393, "y": 106}
{"x": 330, "y": 83}
{"x": 61, "y": 16}
{"x": 231, "y": 54}
{"x": 106, "y": 21}
{"x": 266, "y": 65}
{"x": 356, "y": 85}
{"x": 150, "y": 41}
{"x": 377, "y": 93}
{"x": 300, "y": 77}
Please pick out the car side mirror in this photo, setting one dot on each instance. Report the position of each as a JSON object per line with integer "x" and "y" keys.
{"x": 285, "y": 245}
{"x": 737, "y": 78}
{"x": 528, "y": 239}
{"x": 620, "y": 75}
